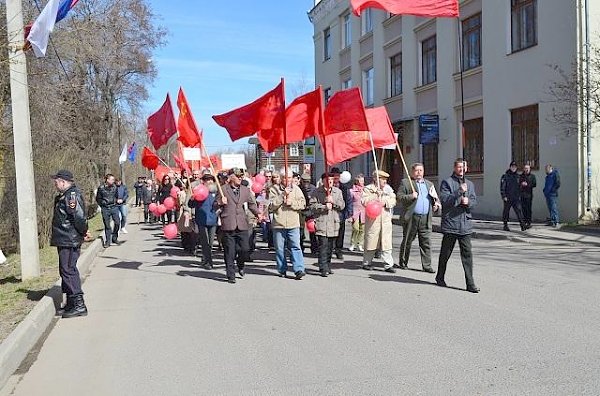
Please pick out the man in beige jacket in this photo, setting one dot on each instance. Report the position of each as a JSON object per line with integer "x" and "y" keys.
{"x": 378, "y": 231}
{"x": 286, "y": 201}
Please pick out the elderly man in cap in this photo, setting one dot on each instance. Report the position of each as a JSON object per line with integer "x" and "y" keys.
{"x": 69, "y": 230}
{"x": 378, "y": 231}
{"x": 286, "y": 200}
{"x": 234, "y": 221}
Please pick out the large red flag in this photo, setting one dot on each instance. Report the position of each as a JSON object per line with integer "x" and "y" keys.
{"x": 342, "y": 146}
{"x": 149, "y": 159}
{"x": 425, "y": 8}
{"x": 302, "y": 120}
{"x": 161, "y": 125}
{"x": 189, "y": 135}
{"x": 345, "y": 112}
{"x": 266, "y": 113}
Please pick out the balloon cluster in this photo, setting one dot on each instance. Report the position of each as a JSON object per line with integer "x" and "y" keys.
{"x": 258, "y": 183}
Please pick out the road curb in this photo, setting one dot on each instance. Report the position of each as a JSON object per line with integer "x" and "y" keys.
{"x": 476, "y": 234}
{"x": 14, "y": 349}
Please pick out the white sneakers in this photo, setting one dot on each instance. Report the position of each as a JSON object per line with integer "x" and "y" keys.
{"x": 360, "y": 248}
{"x": 351, "y": 248}
{"x": 124, "y": 231}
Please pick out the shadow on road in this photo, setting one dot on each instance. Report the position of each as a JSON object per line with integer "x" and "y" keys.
{"x": 130, "y": 265}
{"x": 216, "y": 276}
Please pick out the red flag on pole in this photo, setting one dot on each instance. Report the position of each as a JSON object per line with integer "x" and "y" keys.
{"x": 161, "y": 125}
{"x": 424, "y": 8}
{"x": 189, "y": 135}
{"x": 149, "y": 159}
{"x": 345, "y": 112}
{"x": 181, "y": 163}
{"x": 266, "y": 113}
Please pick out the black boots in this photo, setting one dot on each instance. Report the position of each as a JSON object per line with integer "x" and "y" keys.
{"x": 77, "y": 307}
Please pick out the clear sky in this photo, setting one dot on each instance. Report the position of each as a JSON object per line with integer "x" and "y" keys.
{"x": 227, "y": 53}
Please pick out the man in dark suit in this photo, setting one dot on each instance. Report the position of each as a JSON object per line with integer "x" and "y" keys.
{"x": 419, "y": 200}
{"x": 233, "y": 203}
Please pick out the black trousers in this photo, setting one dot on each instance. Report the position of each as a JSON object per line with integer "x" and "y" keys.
{"x": 235, "y": 246}
{"x": 466, "y": 256}
{"x": 67, "y": 268}
{"x": 339, "y": 241}
{"x": 526, "y": 205}
{"x": 516, "y": 205}
{"x": 107, "y": 214}
{"x": 138, "y": 198}
{"x": 326, "y": 245}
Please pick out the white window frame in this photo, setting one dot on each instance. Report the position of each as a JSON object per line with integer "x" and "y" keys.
{"x": 295, "y": 168}
{"x": 366, "y": 21}
{"x": 294, "y": 150}
{"x": 347, "y": 84}
{"x": 391, "y": 81}
{"x": 347, "y": 30}
{"x": 368, "y": 86}
{"x": 327, "y": 44}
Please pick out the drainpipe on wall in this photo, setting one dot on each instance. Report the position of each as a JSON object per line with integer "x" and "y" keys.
{"x": 588, "y": 122}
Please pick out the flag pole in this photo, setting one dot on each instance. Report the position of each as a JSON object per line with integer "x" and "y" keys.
{"x": 375, "y": 159}
{"x": 212, "y": 168}
{"x": 412, "y": 186}
{"x": 462, "y": 97}
{"x": 285, "y": 143}
{"x": 381, "y": 159}
{"x": 324, "y": 138}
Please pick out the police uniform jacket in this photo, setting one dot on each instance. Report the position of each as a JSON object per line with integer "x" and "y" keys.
{"x": 509, "y": 186}
{"x": 69, "y": 224}
{"x": 106, "y": 196}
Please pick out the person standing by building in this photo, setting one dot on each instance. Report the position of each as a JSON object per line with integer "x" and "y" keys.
{"x": 286, "y": 201}
{"x": 510, "y": 190}
{"x": 378, "y": 231}
{"x": 138, "y": 186}
{"x": 106, "y": 198}
{"x": 551, "y": 187}
{"x": 528, "y": 183}
{"x": 358, "y": 214}
{"x": 234, "y": 222}
{"x": 326, "y": 204}
{"x": 418, "y": 206}
{"x": 345, "y": 214}
{"x": 457, "y": 195}
{"x": 122, "y": 197}
{"x": 69, "y": 230}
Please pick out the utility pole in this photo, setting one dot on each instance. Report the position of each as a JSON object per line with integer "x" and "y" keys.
{"x": 19, "y": 92}
{"x": 121, "y": 165}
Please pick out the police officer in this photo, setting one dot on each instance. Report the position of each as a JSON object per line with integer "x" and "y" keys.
{"x": 69, "y": 230}
{"x": 106, "y": 197}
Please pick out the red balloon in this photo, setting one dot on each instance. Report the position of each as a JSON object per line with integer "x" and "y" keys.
{"x": 161, "y": 209}
{"x": 260, "y": 178}
{"x": 257, "y": 187}
{"x": 170, "y": 231}
{"x": 174, "y": 191}
{"x": 200, "y": 192}
{"x": 152, "y": 207}
{"x": 373, "y": 209}
{"x": 311, "y": 226}
{"x": 169, "y": 203}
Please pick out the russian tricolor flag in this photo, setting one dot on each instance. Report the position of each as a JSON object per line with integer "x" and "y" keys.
{"x": 54, "y": 11}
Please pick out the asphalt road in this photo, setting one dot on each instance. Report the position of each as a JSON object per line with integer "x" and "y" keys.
{"x": 161, "y": 325}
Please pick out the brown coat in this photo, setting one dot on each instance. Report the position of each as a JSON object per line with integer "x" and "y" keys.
{"x": 327, "y": 221}
{"x": 233, "y": 215}
{"x": 378, "y": 231}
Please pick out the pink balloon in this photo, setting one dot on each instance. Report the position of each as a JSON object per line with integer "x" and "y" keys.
{"x": 170, "y": 231}
{"x": 161, "y": 209}
{"x": 200, "y": 192}
{"x": 174, "y": 192}
{"x": 311, "y": 226}
{"x": 257, "y": 187}
{"x": 260, "y": 178}
{"x": 152, "y": 207}
{"x": 373, "y": 209}
{"x": 169, "y": 203}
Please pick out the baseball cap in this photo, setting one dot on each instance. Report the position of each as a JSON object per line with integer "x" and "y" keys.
{"x": 63, "y": 174}
{"x": 236, "y": 171}
{"x": 513, "y": 163}
{"x": 305, "y": 176}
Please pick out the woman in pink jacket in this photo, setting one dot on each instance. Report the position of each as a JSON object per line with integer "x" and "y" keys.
{"x": 358, "y": 218}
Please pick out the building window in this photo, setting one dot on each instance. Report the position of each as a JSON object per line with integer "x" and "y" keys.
{"x": 327, "y": 44}
{"x": 396, "y": 75}
{"x": 327, "y": 94}
{"x": 368, "y": 87}
{"x": 524, "y": 23}
{"x": 474, "y": 144}
{"x": 430, "y": 159}
{"x": 295, "y": 168}
{"x": 347, "y": 31}
{"x": 367, "y": 21}
{"x": 525, "y": 136}
{"x": 471, "y": 35}
{"x": 346, "y": 84}
{"x": 294, "y": 151}
{"x": 429, "y": 61}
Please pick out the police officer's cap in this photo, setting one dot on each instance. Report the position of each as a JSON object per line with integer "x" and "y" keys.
{"x": 63, "y": 174}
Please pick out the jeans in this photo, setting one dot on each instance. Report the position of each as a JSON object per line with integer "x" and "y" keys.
{"x": 552, "y": 203}
{"x": 123, "y": 212}
{"x": 206, "y": 236}
{"x": 107, "y": 214}
{"x": 289, "y": 238}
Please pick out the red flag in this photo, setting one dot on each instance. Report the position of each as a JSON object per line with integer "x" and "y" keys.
{"x": 345, "y": 112}
{"x": 181, "y": 163}
{"x": 216, "y": 161}
{"x": 161, "y": 125}
{"x": 189, "y": 135}
{"x": 342, "y": 146}
{"x": 149, "y": 159}
{"x": 302, "y": 120}
{"x": 424, "y": 8}
{"x": 266, "y": 113}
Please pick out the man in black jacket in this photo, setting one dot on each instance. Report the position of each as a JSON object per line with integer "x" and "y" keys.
{"x": 69, "y": 230}
{"x": 138, "y": 186}
{"x": 106, "y": 197}
{"x": 510, "y": 190}
{"x": 457, "y": 195}
{"x": 528, "y": 183}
